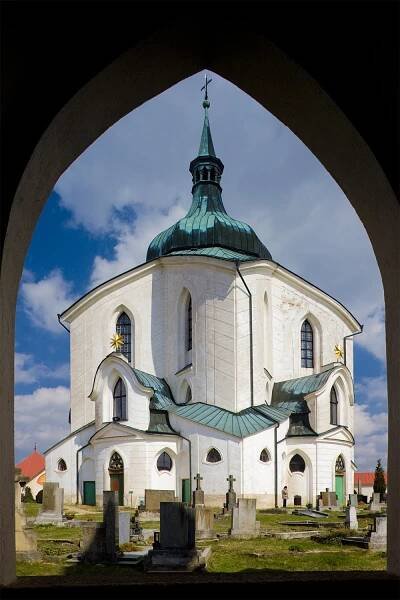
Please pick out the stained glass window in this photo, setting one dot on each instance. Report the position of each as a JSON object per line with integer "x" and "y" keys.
{"x": 264, "y": 456}
{"x": 116, "y": 463}
{"x": 119, "y": 401}
{"x": 213, "y": 456}
{"x": 164, "y": 462}
{"x": 297, "y": 464}
{"x": 307, "y": 345}
{"x": 334, "y": 407}
{"x": 124, "y": 328}
{"x": 340, "y": 466}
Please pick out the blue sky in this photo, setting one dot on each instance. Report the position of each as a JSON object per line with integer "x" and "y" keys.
{"x": 133, "y": 182}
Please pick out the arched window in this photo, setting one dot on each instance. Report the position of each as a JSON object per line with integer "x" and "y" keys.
{"x": 189, "y": 324}
{"x": 212, "y": 174}
{"x": 340, "y": 466}
{"x": 164, "y": 462}
{"x": 213, "y": 456}
{"x": 188, "y": 395}
{"x": 116, "y": 463}
{"x": 119, "y": 401}
{"x": 124, "y": 328}
{"x": 265, "y": 456}
{"x": 197, "y": 175}
{"x": 297, "y": 464}
{"x": 62, "y": 465}
{"x": 334, "y": 407}
{"x": 307, "y": 345}
{"x": 204, "y": 174}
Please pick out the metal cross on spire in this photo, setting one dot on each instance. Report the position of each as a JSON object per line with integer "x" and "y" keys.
{"x": 206, "y": 102}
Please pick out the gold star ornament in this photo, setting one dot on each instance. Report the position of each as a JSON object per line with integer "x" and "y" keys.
{"x": 338, "y": 352}
{"x": 117, "y": 341}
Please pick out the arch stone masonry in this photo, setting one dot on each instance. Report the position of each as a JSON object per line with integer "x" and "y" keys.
{"x": 260, "y": 69}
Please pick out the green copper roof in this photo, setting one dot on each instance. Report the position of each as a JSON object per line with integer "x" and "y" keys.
{"x": 242, "y": 424}
{"x": 162, "y": 397}
{"x": 206, "y": 143}
{"x": 215, "y": 252}
{"x": 289, "y": 395}
{"x": 292, "y": 391}
{"x": 207, "y": 223}
{"x": 159, "y": 422}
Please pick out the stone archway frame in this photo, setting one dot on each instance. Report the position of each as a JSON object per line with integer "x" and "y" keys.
{"x": 288, "y": 92}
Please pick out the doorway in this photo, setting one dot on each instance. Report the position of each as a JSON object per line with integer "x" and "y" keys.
{"x": 340, "y": 471}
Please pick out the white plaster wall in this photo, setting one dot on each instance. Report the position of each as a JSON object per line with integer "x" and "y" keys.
{"x": 259, "y": 477}
{"x": 33, "y": 484}
{"x": 139, "y": 454}
{"x": 67, "y": 450}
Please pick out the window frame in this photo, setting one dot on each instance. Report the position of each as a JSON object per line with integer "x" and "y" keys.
{"x": 303, "y": 462}
{"x": 164, "y": 469}
{"x": 333, "y": 406}
{"x": 213, "y": 462}
{"x": 125, "y": 329}
{"x": 265, "y": 462}
{"x": 307, "y": 345}
{"x": 58, "y": 465}
{"x": 122, "y": 414}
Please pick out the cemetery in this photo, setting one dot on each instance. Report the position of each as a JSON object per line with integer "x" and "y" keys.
{"x": 184, "y": 537}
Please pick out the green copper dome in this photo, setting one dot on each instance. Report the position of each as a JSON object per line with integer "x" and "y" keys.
{"x": 207, "y": 223}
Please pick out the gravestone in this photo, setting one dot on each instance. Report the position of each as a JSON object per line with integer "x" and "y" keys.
{"x": 111, "y": 524}
{"x": 198, "y": 494}
{"x": 204, "y": 518}
{"x": 93, "y": 544}
{"x": 377, "y": 537}
{"x": 376, "y": 504}
{"x": 25, "y": 536}
{"x": 153, "y": 498}
{"x": 297, "y": 500}
{"x": 353, "y": 501}
{"x": 244, "y": 518}
{"x": 124, "y": 527}
{"x": 351, "y": 518}
{"x": 53, "y": 504}
{"x": 230, "y": 495}
{"x": 328, "y": 499}
{"x": 174, "y": 548}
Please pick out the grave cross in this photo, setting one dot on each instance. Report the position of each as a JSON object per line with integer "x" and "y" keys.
{"x": 198, "y": 479}
{"x": 231, "y": 479}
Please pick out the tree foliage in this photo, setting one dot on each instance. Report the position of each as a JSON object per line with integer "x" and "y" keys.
{"x": 27, "y": 497}
{"x": 379, "y": 479}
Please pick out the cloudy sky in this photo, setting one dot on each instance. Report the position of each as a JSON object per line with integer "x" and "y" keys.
{"x": 133, "y": 182}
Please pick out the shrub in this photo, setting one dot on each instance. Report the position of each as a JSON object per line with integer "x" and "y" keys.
{"x": 295, "y": 548}
{"x": 27, "y": 497}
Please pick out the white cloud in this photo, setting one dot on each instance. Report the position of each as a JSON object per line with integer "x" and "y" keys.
{"x": 41, "y": 418}
{"x": 45, "y": 298}
{"x": 370, "y": 437}
{"x": 372, "y": 390}
{"x": 28, "y": 371}
{"x": 131, "y": 247}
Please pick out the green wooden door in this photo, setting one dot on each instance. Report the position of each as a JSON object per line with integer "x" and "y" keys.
{"x": 89, "y": 492}
{"x": 117, "y": 485}
{"x": 186, "y": 490}
{"x": 339, "y": 489}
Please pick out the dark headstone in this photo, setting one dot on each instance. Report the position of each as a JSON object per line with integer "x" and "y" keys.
{"x": 153, "y": 498}
{"x": 297, "y": 500}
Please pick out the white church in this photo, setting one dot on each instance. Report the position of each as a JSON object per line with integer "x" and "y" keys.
{"x": 223, "y": 363}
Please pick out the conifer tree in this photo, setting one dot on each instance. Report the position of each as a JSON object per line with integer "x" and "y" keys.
{"x": 379, "y": 479}
{"x": 27, "y": 497}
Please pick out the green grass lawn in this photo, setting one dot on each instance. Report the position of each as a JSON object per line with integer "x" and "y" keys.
{"x": 31, "y": 509}
{"x": 228, "y": 555}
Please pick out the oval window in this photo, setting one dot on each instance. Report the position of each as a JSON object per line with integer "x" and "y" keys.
{"x": 264, "y": 456}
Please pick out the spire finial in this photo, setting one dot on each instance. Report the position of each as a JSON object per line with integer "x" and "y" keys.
{"x": 206, "y": 102}
{"x": 35, "y": 447}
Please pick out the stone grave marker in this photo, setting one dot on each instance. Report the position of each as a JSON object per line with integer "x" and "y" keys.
{"x": 93, "y": 546}
{"x": 204, "y": 518}
{"x": 351, "y": 518}
{"x": 353, "y": 501}
{"x": 377, "y": 537}
{"x": 198, "y": 494}
{"x": 174, "y": 548}
{"x": 328, "y": 499}
{"x": 244, "y": 518}
{"x": 124, "y": 526}
{"x": 53, "y": 504}
{"x": 230, "y": 495}
{"x": 376, "y": 504}
{"x": 111, "y": 524}
{"x": 153, "y": 498}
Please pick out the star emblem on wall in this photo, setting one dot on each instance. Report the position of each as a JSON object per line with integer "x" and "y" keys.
{"x": 117, "y": 341}
{"x": 338, "y": 352}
